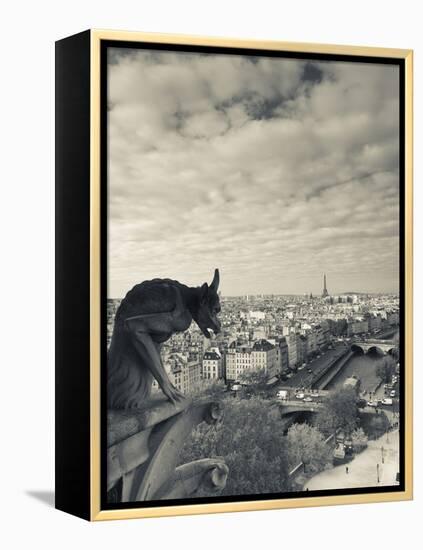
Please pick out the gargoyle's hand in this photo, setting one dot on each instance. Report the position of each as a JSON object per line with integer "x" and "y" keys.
{"x": 171, "y": 392}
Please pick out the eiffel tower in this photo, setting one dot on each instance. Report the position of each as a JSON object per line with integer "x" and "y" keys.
{"x": 325, "y": 292}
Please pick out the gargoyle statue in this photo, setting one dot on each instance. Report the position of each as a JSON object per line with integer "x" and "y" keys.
{"x": 149, "y": 315}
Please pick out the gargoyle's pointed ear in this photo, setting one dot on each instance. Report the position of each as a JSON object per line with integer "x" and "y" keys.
{"x": 204, "y": 291}
{"x": 215, "y": 283}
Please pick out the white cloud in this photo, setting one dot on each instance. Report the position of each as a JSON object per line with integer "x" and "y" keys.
{"x": 225, "y": 161}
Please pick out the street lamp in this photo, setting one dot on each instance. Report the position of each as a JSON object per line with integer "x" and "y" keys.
{"x": 377, "y": 472}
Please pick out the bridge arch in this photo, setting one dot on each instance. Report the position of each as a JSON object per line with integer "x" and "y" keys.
{"x": 372, "y": 349}
{"x": 373, "y": 346}
{"x": 356, "y": 348}
{"x": 288, "y": 408}
{"x": 375, "y": 351}
{"x": 285, "y": 412}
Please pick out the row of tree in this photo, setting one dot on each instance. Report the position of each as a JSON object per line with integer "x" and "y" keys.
{"x": 386, "y": 367}
{"x": 340, "y": 411}
{"x": 252, "y": 438}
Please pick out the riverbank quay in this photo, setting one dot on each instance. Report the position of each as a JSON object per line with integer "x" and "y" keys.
{"x": 376, "y": 466}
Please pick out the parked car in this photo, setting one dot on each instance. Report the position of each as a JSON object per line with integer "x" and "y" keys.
{"x": 393, "y": 393}
{"x": 282, "y": 394}
{"x": 387, "y": 401}
{"x": 308, "y": 399}
{"x": 388, "y": 388}
{"x": 299, "y": 395}
{"x": 372, "y": 404}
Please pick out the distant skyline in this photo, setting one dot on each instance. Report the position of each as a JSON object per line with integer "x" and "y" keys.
{"x": 274, "y": 170}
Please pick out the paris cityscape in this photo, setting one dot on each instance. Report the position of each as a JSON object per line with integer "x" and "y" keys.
{"x": 282, "y": 173}
{"x": 290, "y": 354}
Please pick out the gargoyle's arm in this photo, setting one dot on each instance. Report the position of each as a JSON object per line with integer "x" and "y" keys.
{"x": 138, "y": 327}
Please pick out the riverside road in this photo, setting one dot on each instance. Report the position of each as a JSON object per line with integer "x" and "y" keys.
{"x": 305, "y": 375}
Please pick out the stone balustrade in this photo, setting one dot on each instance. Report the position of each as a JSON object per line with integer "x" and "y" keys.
{"x": 143, "y": 450}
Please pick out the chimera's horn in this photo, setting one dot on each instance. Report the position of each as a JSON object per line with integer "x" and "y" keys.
{"x": 215, "y": 282}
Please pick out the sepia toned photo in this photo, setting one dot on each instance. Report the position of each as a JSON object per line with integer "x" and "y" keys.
{"x": 254, "y": 316}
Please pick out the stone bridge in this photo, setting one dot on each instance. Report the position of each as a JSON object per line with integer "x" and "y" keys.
{"x": 373, "y": 346}
{"x": 291, "y": 407}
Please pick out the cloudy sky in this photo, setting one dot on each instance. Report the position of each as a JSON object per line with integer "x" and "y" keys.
{"x": 274, "y": 170}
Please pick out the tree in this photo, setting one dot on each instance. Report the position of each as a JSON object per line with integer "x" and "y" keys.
{"x": 214, "y": 389}
{"x": 385, "y": 369}
{"x": 256, "y": 377}
{"x": 339, "y": 412}
{"x": 250, "y": 438}
{"x": 375, "y": 425}
{"x": 359, "y": 439}
{"x": 395, "y": 353}
{"x": 306, "y": 444}
{"x": 255, "y": 380}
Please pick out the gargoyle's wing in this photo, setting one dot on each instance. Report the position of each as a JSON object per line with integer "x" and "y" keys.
{"x": 151, "y": 297}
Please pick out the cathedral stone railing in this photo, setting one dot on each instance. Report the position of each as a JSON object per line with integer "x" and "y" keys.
{"x": 144, "y": 446}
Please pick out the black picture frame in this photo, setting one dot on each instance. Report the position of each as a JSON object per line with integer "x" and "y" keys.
{"x": 81, "y": 158}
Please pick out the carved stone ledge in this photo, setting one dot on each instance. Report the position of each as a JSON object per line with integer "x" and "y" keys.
{"x": 144, "y": 447}
{"x": 126, "y": 422}
{"x": 190, "y": 479}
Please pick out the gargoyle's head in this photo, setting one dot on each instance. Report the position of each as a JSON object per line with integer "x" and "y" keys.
{"x": 209, "y": 307}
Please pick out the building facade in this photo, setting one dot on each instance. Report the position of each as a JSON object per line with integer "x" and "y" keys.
{"x": 291, "y": 341}
{"x": 212, "y": 365}
{"x": 242, "y": 358}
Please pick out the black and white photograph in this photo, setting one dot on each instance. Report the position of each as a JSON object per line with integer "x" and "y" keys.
{"x": 254, "y": 244}
{"x": 210, "y": 268}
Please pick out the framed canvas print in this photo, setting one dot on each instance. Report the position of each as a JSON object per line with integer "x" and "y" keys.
{"x": 233, "y": 275}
